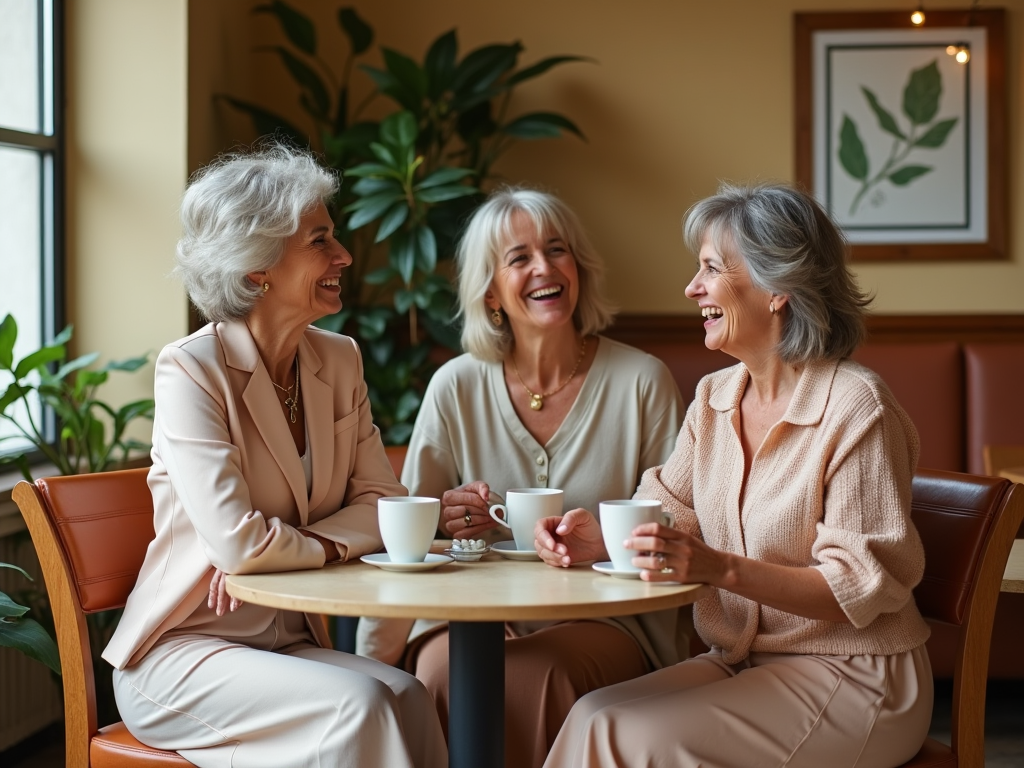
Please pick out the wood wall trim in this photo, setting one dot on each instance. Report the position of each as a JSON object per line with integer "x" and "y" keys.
{"x": 634, "y": 329}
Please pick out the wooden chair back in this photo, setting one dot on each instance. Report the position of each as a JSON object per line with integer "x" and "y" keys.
{"x": 91, "y": 533}
{"x": 1000, "y": 457}
{"x": 967, "y": 524}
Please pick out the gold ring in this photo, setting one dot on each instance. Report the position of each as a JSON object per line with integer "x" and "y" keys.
{"x": 468, "y": 519}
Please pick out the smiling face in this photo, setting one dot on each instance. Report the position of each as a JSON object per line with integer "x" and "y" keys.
{"x": 304, "y": 284}
{"x": 535, "y": 281}
{"x": 737, "y": 318}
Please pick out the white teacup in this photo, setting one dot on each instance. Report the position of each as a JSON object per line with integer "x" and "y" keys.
{"x": 619, "y": 518}
{"x": 407, "y": 525}
{"x": 522, "y": 509}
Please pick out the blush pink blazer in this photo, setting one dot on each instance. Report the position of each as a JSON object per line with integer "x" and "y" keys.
{"x": 228, "y": 487}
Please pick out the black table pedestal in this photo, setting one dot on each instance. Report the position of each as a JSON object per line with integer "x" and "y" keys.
{"x": 476, "y": 700}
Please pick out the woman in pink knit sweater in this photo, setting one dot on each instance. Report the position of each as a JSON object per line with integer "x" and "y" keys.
{"x": 790, "y": 487}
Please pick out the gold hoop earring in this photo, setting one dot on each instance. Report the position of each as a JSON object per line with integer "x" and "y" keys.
{"x": 771, "y": 307}
{"x": 496, "y": 318}
{"x": 266, "y": 287}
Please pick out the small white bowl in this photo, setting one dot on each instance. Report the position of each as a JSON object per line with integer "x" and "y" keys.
{"x": 466, "y": 555}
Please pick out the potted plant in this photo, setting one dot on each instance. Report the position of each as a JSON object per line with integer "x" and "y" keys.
{"x": 82, "y": 442}
{"x": 411, "y": 180}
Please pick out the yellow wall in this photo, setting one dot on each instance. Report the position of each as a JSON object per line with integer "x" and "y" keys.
{"x": 684, "y": 93}
{"x": 126, "y": 110}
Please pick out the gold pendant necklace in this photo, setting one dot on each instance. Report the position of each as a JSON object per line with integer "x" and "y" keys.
{"x": 537, "y": 400}
{"x": 291, "y": 402}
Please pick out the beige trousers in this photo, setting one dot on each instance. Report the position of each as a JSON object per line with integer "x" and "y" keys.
{"x": 545, "y": 673}
{"x": 222, "y": 704}
{"x": 771, "y": 710}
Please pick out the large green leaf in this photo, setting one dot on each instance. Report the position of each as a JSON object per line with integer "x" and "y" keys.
{"x": 371, "y": 169}
{"x": 922, "y": 92}
{"x": 373, "y": 186}
{"x": 935, "y": 136}
{"x": 13, "y": 392}
{"x": 903, "y": 176}
{"x": 40, "y": 357}
{"x": 541, "y": 67}
{"x": 379, "y": 276}
{"x": 399, "y": 130}
{"x": 73, "y": 365}
{"x": 308, "y": 80}
{"x": 385, "y": 155}
{"x": 426, "y": 249}
{"x": 439, "y": 64}
{"x": 296, "y": 25}
{"x": 851, "y": 150}
{"x": 885, "y": 118}
{"x": 444, "y": 176}
{"x": 482, "y": 68}
{"x": 403, "y": 300}
{"x": 447, "y": 192}
{"x": 406, "y": 71}
{"x": 368, "y": 209}
{"x": 17, "y": 568}
{"x": 360, "y": 34}
{"x": 27, "y": 636}
{"x": 402, "y": 256}
{"x": 9, "y": 608}
{"x": 128, "y": 364}
{"x": 267, "y": 123}
{"x": 8, "y": 335}
{"x": 392, "y": 220}
{"x": 540, "y": 125}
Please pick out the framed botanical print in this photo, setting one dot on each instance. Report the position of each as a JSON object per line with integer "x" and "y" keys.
{"x": 900, "y": 130}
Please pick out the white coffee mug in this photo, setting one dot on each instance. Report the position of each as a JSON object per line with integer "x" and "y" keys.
{"x": 407, "y": 525}
{"x": 522, "y": 509}
{"x": 619, "y": 518}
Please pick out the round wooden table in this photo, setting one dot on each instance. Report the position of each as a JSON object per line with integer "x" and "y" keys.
{"x": 476, "y": 598}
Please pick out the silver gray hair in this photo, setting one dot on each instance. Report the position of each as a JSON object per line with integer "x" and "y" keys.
{"x": 236, "y": 215}
{"x": 488, "y": 232}
{"x": 792, "y": 248}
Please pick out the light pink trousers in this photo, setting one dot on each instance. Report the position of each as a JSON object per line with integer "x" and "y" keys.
{"x": 545, "y": 673}
{"x": 222, "y": 704}
{"x": 770, "y": 710}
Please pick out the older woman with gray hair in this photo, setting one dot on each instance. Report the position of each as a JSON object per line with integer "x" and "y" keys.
{"x": 790, "y": 487}
{"x": 265, "y": 458}
{"x": 540, "y": 399}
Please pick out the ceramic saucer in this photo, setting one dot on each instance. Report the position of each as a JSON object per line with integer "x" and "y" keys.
{"x": 609, "y": 569}
{"x": 467, "y": 555}
{"x": 383, "y": 560}
{"x": 507, "y": 549}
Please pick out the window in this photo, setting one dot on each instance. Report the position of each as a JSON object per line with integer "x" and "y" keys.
{"x": 31, "y": 171}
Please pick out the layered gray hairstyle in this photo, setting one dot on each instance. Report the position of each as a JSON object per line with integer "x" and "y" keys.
{"x": 792, "y": 248}
{"x": 487, "y": 235}
{"x": 236, "y": 215}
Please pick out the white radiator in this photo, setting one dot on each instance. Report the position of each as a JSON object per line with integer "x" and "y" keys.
{"x": 30, "y": 696}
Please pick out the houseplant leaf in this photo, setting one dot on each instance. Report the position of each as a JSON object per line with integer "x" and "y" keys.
{"x": 38, "y": 358}
{"x": 935, "y": 136}
{"x": 308, "y": 80}
{"x": 426, "y": 249}
{"x": 8, "y": 335}
{"x": 885, "y": 119}
{"x": 482, "y": 67}
{"x": 921, "y": 94}
{"x": 851, "y": 150}
{"x": 17, "y": 568}
{"x": 296, "y": 25}
{"x": 541, "y": 67}
{"x": 402, "y": 256}
{"x": 73, "y": 365}
{"x": 903, "y": 176}
{"x": 267, "y": 123}
{"x": 399, "y": 130}
{"x": 407, "y": 73}
{"x": 27, "y": 636}
{"x": 439, "y": 63}
{"x": 540, "y": 125}
{"x": 446, "y": 192}
{"x": 128, "y": 364}
{"x": 392, "y": 220}
{"x": 367, "y": 209}
{"x": 359, "y": 33}
{"x": 12, "y": 393}
{"x": 444, "y": 176}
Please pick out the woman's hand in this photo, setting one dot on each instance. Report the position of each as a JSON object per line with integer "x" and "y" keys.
{"x": 573, "y": 538}
{"x": 465, "y": 511}
{"x": 666, "y": 554}
{"x": 220, "y": 601}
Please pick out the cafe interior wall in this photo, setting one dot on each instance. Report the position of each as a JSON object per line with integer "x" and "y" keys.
{"x": 681, "y": 94}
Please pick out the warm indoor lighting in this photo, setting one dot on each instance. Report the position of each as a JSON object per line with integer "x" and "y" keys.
{"x": 951, "y": 49}
{"x": 917, "y": 17}
{"x": 963, "y": 55}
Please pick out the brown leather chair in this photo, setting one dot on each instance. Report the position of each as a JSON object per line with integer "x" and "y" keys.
{"x": 91, "y": 533}
{"x": 967, "y": 524}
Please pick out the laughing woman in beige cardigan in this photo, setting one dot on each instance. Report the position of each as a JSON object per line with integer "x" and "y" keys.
{"x": 790, "y": 487}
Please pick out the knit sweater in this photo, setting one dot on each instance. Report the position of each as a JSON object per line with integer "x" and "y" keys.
{"x": 829, "y": 488}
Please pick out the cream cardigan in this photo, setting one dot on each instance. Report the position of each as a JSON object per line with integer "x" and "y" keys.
{"x": 829, "y": 489}
{"x": 625, "y": 419}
